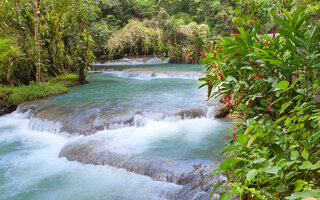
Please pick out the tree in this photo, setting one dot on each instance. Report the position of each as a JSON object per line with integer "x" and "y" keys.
{"x": 36, "y": 35}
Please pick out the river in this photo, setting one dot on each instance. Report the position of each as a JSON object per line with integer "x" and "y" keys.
{"x": 135, "y": 132}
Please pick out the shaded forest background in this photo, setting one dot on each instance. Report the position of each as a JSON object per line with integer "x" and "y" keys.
{"x": 72, "y": 33}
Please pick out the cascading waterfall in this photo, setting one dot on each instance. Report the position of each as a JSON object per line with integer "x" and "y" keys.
{"x": 119, "y": 137}
{"x": 140, "y": 60}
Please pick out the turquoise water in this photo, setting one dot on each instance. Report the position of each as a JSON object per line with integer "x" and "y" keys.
{"x": 157, "y": 118}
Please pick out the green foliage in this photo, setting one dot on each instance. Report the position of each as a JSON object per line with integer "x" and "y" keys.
{"x": 272, "y": 80}
{"x": 59, "y": 22}
{"x": 10, "y": 95}
{"x": 136, "y": 37}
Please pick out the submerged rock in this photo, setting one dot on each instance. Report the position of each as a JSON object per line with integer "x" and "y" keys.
{"x": 191, "y": 174}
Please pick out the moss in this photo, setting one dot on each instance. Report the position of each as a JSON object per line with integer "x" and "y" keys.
{"x": 10, "y": 95}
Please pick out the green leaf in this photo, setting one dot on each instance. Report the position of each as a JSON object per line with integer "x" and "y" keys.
{"x": 285, "y": 33}
{"x": 285, "y": 106}
{"x": 301, "y": 21}
{"x": 259, "y": 160}
{"x": 299, "y": 184}
{"x": 294, "y": 83}
{"x": 297, "y": 14}
{"x": 316, "y": 166}
{"x": 305, "y": 194}
{"x": 216, "y": 171}
{"x": 226, "y": 196}
{"x": 281, "y": 119}
{"x": 305, "y": 154}
{"x": 278, "y": 150}
{"x": 228, "y": 164}
{"x": 288, "y": 15}
{"x": 216, "y": 186}
{"x": 252, "y": 139}
{"x": 294, "y": 155}
{"x": 251, "y": 174}
{"x": 284, "y": 23}
{"x": 270, "y": 170}
{"x": 230, "y": 148}
{"x": 242, "y": 139}
{"x": 305, "y": 165}
{"x": 282, "y": 85}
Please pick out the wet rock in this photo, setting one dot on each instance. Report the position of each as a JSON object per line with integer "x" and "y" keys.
{"x": 6, "y": 110}
{"x": 193, "y": 175}
{"x": 220, "y": 111}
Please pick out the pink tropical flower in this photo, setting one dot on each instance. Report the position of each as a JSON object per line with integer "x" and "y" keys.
{"x": 214, "y": 53}
{"x": 269, "y": 105}
{"x": 234, "y": 34}
{"x": 256, "y": 75}
{"x": 234, "y": 135}
{"x": 253, "y": 63}
{"x": 204, "y": 55}
{"x": 273, "y": 33}
{"x": 228, "y": 100}
{"x": 268, "y": 43}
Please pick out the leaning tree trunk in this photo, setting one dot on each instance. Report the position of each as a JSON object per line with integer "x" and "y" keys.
{"x": 36, "y": 35}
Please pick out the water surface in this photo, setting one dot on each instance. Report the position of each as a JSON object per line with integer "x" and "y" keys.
{"x": 139, "y": 132}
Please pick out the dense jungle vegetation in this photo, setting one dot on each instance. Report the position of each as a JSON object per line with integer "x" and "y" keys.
{"x": 273, "y": 82}
{"x": 40, "y": 39}
{"x": 267, "y": 70}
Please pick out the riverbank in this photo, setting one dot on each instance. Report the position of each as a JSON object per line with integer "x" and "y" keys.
{"x": 11, "y": 97}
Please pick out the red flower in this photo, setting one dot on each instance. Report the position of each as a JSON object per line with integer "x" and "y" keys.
{"x": 273, "y": 33}
{"x": 239, "y": 54}
{"x": 304, "y": 52}
{"x": 215, "y": 66}
{"x": 244, "y": 30}
{"x": 268, "y": 43}
{"x": 214, "y": 53}
{"x": 298, "y": 75}
{"x": 219, "y": 48}
{"x": 228, "y": 100}
{"x": 253, "y": 63}
{"x": 218, "y": 71}
{"x": 234, "y": 135}
{"x": 227, "y": 59}
{"x": 204, "y": 55}
{"x": 234, "y": 34}
{"x": 254, "y": 20}
{"x": 256, "y": 75}
{"x": 269, "y": 105}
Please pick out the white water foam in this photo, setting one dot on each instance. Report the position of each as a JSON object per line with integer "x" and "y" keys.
{"x": 134, "y": 61}
{"x": 137, "y": 140}
{"x": 148, "y": 75}
{"x": 33, "y": 170}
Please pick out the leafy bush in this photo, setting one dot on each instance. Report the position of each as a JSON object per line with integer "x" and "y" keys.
{"x": 16, "y": 95}
{"x": 272, "y": 79}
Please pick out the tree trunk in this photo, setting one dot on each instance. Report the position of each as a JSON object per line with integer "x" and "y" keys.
{"x": 82, "y": 76}
{"x": 36, "y": 35}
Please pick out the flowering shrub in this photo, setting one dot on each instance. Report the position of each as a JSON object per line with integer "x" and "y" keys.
{"x": 272, "y": 80}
